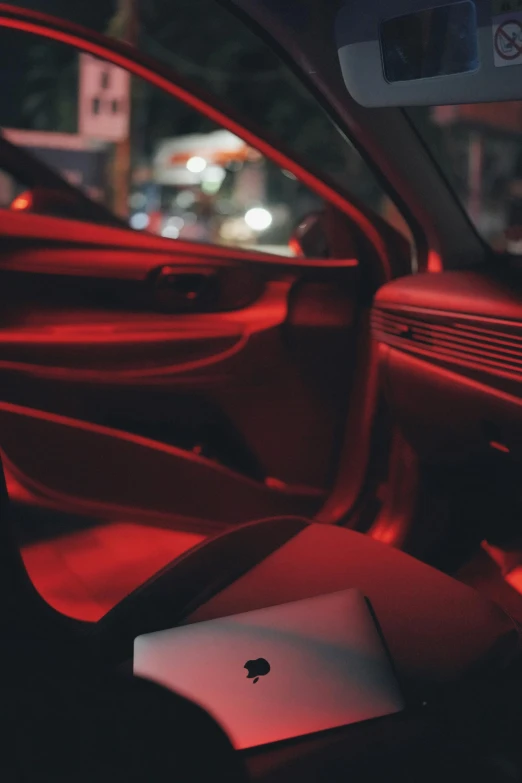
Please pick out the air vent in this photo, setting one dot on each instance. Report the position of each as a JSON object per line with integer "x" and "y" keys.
{"x": 492, "y": 348}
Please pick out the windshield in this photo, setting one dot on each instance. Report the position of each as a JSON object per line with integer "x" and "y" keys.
{"x": 479, "y": 149}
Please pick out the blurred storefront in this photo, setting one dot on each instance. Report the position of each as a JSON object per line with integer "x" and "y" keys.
{"x": 484, "y": 142}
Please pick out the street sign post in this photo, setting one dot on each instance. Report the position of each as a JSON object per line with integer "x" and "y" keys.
{"x": 104, "y": 104}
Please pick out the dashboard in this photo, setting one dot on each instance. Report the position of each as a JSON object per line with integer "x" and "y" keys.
{"x": 450, "y": 350}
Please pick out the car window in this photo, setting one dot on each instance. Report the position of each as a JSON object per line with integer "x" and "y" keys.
{"x": 479, "y": 148}
{"x": 179, "y": 175}
{"x": 247, "y": 75}
{"x": 210, "y": 46}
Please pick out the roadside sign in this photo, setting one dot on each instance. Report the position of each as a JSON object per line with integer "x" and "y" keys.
{"x": 104, "y": 100}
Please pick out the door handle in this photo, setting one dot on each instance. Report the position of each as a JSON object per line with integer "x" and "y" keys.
{"x": 186, "y": 289}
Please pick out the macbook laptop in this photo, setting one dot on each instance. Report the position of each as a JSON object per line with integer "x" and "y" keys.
{"x": 281, "y": 672}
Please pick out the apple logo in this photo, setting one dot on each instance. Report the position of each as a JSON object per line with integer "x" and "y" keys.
{"x": 256, "y": 669}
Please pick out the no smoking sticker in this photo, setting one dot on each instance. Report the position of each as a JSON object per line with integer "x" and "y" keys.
{"x": 507, "y": 32}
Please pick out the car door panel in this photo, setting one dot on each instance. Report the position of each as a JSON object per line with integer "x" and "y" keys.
{"x": 124, "y": 473}
{"x": 225, "y": 384}
{"x": 134, "y": 347}
{"x": 212, "y": 381}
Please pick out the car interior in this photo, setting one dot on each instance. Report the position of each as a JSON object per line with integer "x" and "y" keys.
{"x": 262, "y": 346}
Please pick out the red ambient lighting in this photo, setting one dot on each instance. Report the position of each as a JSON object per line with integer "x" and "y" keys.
{"x": 499, "y": 447}
{"x": 84, "y": 574}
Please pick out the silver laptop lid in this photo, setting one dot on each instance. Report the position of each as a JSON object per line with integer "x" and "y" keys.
{"x": 280, "y": 672}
